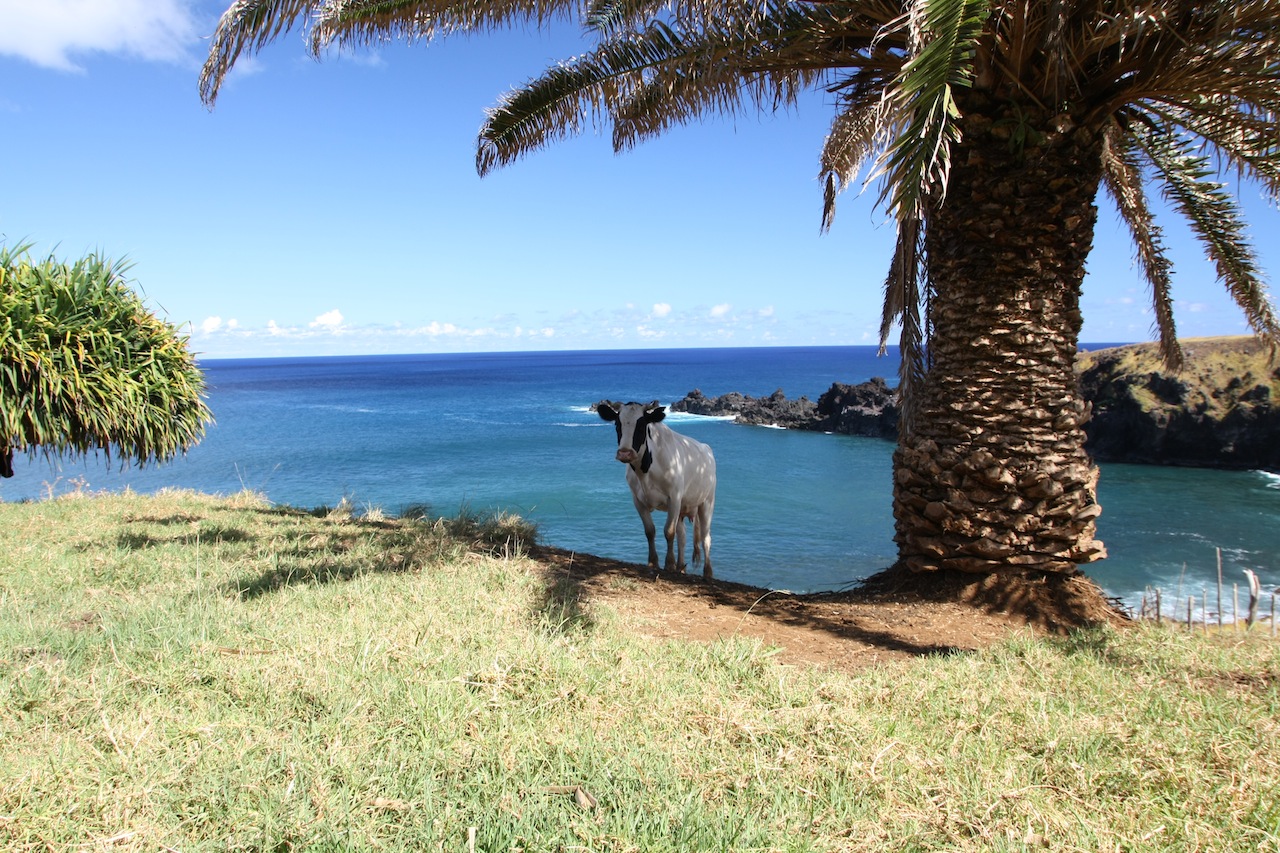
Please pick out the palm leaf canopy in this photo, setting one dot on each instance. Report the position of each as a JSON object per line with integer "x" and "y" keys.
{"x": 85, "y": 367}
{"x": 1182, "y": 91}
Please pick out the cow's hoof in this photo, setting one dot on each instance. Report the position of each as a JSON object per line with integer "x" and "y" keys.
{"x": 706, "y": 573}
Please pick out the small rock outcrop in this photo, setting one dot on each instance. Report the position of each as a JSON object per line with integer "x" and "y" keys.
{"x": 774, "y": 410}
{"x": 868, "y": 408}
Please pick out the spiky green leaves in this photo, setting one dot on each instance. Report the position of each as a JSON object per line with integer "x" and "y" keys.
{"x": 943, "y": 35}
{"x": 85, "y": 367}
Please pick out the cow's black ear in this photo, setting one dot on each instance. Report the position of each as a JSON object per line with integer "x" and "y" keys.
{"x": 654, "y": 413}
{"x": 607, "y": 410}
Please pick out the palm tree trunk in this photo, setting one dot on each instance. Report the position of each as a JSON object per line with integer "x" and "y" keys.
{"x": 993, "y": 474}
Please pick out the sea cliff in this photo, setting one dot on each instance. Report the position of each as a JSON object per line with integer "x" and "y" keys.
{"x": 1221, "y": 411}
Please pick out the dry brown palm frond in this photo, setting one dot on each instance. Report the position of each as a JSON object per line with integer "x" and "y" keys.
{"x": 1122, "y": 177}
{"x": 358, "y": 23}
{"x": 247, "y": 25}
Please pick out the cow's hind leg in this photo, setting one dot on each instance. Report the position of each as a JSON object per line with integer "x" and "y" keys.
{"x": 702, "y": 536}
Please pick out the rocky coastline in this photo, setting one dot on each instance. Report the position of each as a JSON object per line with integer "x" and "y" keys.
{"x": 1221, "y": 411}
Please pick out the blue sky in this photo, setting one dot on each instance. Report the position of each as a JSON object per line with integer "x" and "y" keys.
{"x": 332, "y": 207}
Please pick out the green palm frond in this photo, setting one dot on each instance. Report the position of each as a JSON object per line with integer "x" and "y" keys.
{"x": 559, "y": 103}
{"x": 85, "y": 367}
{"x": 248, "y": 25}
{"x": 943, "y": 35}
{"x": 608, "y": 18}
{"x": 1215, "y": 218}
{"x": 1246, "y": 139}
{"x": 1122, "y": 177}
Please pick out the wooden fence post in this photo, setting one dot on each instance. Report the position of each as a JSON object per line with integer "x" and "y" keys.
{"x": 1255, "y": 590}
{"x": 1219, "y": 550}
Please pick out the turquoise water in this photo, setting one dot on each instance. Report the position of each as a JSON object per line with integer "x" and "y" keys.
{"x": 514, "y": 431}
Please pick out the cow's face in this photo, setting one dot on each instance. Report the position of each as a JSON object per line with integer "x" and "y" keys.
{"x": 632, "y": 423}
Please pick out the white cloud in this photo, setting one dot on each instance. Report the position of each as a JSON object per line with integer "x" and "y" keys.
{"x": 50, "y": 32}
{"x": 330, "y": 320}
{"x": 721, "y": 309}
{"x": 435, "y": 329}
{"x": 210, "y": 325}
{"x": 766, "y": 312}
{"x": 661, "y": 309}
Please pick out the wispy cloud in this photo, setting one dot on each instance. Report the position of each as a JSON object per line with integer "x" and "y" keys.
{"x": 50, "y": 33}
{"x": 629, "y": 325}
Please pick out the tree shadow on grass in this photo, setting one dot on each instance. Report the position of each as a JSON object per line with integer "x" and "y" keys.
{"x": 563, "y": 607}
{"x": 872, "y": 619}
{"x": 215, "y": 535}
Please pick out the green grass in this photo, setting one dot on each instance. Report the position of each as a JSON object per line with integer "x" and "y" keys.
{"x": 194, "y": 673}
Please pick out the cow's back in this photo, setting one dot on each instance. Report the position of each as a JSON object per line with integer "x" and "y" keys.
{"x": 680, "y": 464}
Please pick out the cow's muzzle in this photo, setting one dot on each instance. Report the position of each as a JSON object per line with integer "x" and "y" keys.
{"x": 626, "y": 455}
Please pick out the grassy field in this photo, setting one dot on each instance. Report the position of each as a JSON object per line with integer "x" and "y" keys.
{"x": 193, "y": 673}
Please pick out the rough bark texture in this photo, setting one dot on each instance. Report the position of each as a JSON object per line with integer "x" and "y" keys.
{"x": 994, "y": 474}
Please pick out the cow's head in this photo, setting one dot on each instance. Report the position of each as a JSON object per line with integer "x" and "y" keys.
{"x": 6, "y": 461}
{"x": 632, "y": 422}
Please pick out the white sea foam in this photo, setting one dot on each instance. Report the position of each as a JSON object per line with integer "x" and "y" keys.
{"x": 1272, "y": 479}
{"x": 680, "y": 417}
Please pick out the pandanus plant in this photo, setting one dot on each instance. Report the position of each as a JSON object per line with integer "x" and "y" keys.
{"x": 86, "y": 368}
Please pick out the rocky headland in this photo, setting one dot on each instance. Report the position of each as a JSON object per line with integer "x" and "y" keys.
{"x": 1221, "y": 411}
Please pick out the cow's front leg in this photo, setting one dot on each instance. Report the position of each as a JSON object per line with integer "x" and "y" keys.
{"x": 650, "y": 533}
{"x": 674, "y": 531}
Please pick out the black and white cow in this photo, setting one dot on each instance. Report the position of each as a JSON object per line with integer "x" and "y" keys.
{"x": 666, "y": 471}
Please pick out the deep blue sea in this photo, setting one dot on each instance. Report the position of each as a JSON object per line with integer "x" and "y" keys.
{"x": 513, "y": 431}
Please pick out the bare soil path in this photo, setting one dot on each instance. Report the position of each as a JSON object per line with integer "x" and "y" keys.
{"x": 891, "y": 617}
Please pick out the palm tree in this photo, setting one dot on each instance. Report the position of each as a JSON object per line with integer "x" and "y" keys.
{"x": 989, "y": 126}
{"x": 85, "y": 367}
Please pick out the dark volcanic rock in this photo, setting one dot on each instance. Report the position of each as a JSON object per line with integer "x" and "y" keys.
{"x": 774, "y": 410}
{"x": 869, "y": 408}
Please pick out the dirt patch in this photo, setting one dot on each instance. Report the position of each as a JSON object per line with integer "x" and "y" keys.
{"x": 892, "y": 616}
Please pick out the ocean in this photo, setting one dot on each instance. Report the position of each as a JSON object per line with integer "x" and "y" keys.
{"x": 514, "y": 432}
